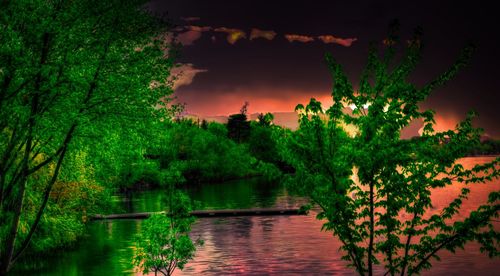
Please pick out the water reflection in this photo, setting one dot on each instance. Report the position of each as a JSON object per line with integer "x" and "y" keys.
{"x": 246, "y": 193}
{"x": 279, "y": 245}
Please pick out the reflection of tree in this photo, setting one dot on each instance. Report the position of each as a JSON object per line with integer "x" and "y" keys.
{"x": 107, "y": 247}
{"x": 247, "y": 193}
{"x": 243, "y": 226}
{"x": 267, "y": 224}
{"x": 109, "y": 251}
{"x": 234, "y": 239}
{"x": 266, "y": 193}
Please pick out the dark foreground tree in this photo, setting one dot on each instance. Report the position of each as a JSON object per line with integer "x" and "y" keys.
{"x": 238, "y": 127}
{"x": 70, "y": 72}
{"x": 374, "y": 189}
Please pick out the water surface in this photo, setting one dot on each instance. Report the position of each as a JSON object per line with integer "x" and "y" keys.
{"x": 277, "y": 245}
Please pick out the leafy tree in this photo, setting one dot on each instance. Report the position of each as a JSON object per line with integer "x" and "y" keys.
{"x": 262, "y": 144}
{"x": 71, "y": 72}
{"x": 164, "y": 243}
{"x": 373, "y": 188}
{"x": 217, "y": 129}
{"x": 204, "y": 155}
{"x": 263, "y": 140}
{"x": 265, "y": 119}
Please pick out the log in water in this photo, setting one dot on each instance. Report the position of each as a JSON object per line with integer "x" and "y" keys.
{"x": 212, "y": 213}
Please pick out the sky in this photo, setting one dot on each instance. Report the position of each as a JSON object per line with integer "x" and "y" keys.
{"x": 271, "y": 53}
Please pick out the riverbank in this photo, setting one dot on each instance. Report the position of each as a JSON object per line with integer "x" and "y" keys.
{"x": 275, "y": 245}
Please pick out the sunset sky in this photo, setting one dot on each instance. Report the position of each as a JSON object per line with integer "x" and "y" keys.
{"x": 270, "y": 53}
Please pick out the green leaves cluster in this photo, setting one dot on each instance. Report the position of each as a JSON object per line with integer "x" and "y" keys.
{"x": 164, "y": 243}
{"x": 374, "y": 189}
{"x": 73, "y": 74}
{"x": 206, "y": 155}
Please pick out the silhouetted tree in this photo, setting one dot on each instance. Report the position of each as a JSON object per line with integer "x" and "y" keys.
{"x": 204, "y": 124}
{"x": 238, "y": 126}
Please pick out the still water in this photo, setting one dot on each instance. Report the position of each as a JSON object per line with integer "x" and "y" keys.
{"x": 279, "y": 245}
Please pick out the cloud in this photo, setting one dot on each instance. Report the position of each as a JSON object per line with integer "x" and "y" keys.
{"x": 346, "y": 42}
{"x": 190, "y": 18}
{"x": 183, "y": 74}
{"x": 198, "y": 28}
{"x": 256, "y": 33}
{"x": 191, "y": 34}
{"x": 233, "y": 34}
{"x": 187, "y": 38}
{"x": 300, "y": 38}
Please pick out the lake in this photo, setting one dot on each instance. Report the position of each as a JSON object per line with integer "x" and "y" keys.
{"x": 279, "y": 245}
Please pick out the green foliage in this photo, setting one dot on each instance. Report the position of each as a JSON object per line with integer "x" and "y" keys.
{"x": 144, "y": 173}
{"x": 73, "y": 197}
{"x": 204, "y": 155}
{"x": 374, "y": 189}
{"x": 164, "y": 243}
{"x": 487, "y": 147}
{"x": 264, "y": 143}
{"x": 217, "y": 129}
{"x": 73, "y": 74}
{"x": 265, "y": 119}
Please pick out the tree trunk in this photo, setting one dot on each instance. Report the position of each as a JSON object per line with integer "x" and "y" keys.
{"x": 372, "y": 226}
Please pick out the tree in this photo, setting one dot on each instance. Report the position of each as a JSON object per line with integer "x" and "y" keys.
{"x": 238, "y": 126}
{"x": 384, "y": 217}
{"x": 265, "y": 119}
{"x": 164, "y": 243}
{"x": 70, "y": 72}
{"x": 262, "y": 143}
{"x": 204, "y": 124}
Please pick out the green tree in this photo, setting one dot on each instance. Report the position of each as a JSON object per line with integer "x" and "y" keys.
{"x": 164, "y": 243}
{"x": 204, "y": 155}
{"x": 385, "y": 216}
{"x": 265, "y": 119}
{"x": 71, "y": 72}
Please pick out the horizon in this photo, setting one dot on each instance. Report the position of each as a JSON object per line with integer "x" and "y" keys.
{"x": 271, "y": 55}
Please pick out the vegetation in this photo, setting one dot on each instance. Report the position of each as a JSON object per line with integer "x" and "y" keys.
{"x": 72, "y": 73}
{"x": 164, "y": 243}
{"x": 374, "y": 189}
{"x": 207, "y": 155}
{"x": 486, "y": 147}
{"x": 85, "y": 111}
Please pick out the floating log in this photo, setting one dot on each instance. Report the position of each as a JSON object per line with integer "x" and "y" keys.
{"x": 212, "y": 213}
